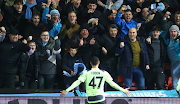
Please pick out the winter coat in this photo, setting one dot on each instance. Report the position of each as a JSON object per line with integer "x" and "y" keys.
{"x": 126, "y": 57}
{"x": 48, "y": 66}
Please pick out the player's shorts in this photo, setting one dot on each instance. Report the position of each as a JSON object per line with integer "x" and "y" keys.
{"x": 102, "y": 102}
{"x": 96, "y": 98}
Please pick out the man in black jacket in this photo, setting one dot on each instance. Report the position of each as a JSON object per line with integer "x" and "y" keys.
{"x": 86, "y": 44}
{"x": 10, "y": 52}
{"x": 157, "y": 56}
{"x": 108, "y": 43}
{"x": 89, "y": 13}
{"x": 29, "y": 67}
{"x": 14, "y": 16}
{"x": 107, "y": 18}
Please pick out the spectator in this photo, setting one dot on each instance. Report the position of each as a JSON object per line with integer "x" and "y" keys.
{"x": 10, "y": 52}
{"x": 14, "y": 15}
{"x": 30, "y": 6}
{"x": 172, "y": 41}
{"x": 143, "y": 17}
{"x": 95, "y": 27}
{"x": 89, "y": 12}
{"x": 108, "y": 43}
{"x": 85, "y": 42}
{"x": 126, "y": 23}
{"x": 134, "y": 59}
{"x": 29, "y": 67}
{"x": 107, "y": 19}
{"x": 75, "y": 6}
{"x": 167, "y": 24}
{"x": 157, "y": 56}
{"x": 177, "y": 18}
{"x": 55, "y": 17}
{"x": 35, "y": 27}
{"x": 138, "y": 5}
{"x": 68, "y": 65}
{"x": 68, "y": 30}
{"x": 151, "y": 21}
{"x": 111, "y": 4}
{"x": 47, "y": 48}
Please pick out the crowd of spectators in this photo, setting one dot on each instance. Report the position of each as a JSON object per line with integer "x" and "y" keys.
{"x": 43, "y": 42}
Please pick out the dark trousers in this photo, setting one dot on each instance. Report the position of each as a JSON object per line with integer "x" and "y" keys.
{"x": 46, "y": 81}
{"x": 7, "y": 80}
{"x": 155, "y": 75}
{"x": 30, "y": 83}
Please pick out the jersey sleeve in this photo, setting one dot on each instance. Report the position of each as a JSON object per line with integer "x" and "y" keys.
{"x": 82, "y": 77}
{"x": 107, "y": 76}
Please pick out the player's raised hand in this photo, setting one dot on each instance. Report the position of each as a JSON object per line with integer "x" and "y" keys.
{"x": 127, "y": 92}
{"x": 63, "y": 93}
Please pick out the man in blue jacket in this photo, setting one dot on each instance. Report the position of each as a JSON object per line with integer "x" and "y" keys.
{"x": 173, "y": 51}
{"x": 126, "y": 23}
{"x": 134, "y": 60}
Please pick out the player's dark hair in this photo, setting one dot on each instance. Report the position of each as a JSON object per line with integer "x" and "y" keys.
{"x": 94, "y": 60}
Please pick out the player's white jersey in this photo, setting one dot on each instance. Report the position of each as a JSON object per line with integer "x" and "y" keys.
{"x": 94, "y": 80}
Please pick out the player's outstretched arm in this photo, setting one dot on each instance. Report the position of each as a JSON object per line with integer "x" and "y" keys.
{"x": 75, "y": 84}
{"x": 117, "y": 87}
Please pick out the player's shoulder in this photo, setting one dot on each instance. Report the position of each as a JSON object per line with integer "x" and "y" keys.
{"x": 102, "y": 70}
{"x": 88, "y": 70}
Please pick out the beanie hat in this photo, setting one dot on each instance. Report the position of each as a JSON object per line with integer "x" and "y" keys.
{"x": 13, "y": 31}
{"x": 84, "y": 26}
{"x": 175, "y": 27}
{"x": 54, "y": 11}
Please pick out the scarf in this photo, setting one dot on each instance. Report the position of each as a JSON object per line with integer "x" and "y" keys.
{"x": 28, "y": 9}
